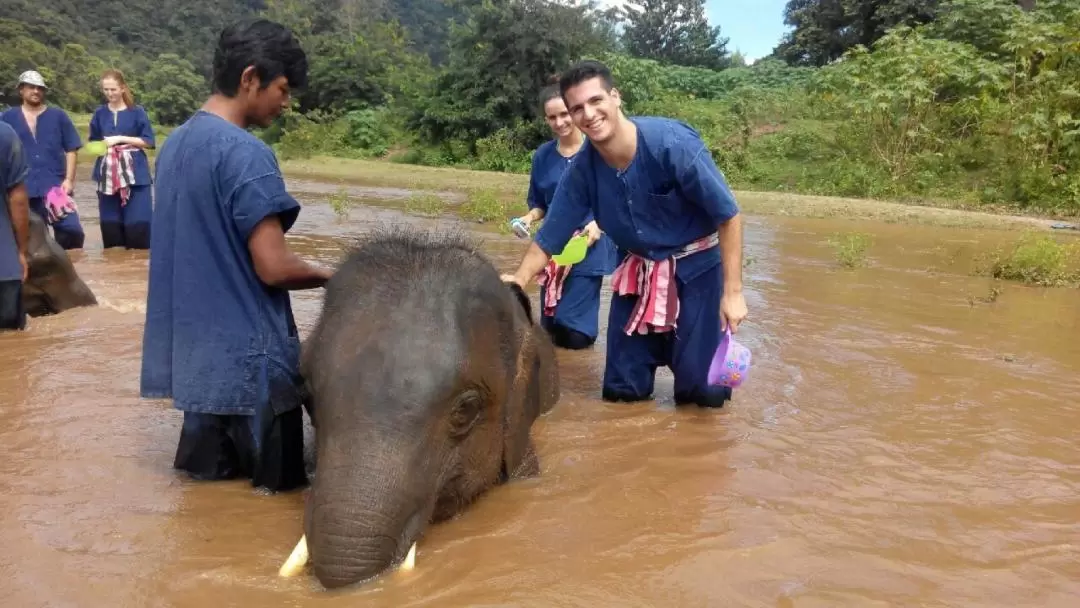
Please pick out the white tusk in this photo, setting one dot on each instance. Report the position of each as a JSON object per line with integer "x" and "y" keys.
{"x": 410, "y": 559}
{"x": 297, "y": 559}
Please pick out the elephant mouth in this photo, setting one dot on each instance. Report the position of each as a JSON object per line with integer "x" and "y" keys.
{"x": 299, "y": 558}
{"x": 403, "y": 554}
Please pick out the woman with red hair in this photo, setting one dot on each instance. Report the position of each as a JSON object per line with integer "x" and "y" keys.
{"x": 125, "y": 200}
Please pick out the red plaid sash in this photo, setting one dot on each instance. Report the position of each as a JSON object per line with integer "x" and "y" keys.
{"x": 117, "y": 172}
{"x": 653, "y": 282}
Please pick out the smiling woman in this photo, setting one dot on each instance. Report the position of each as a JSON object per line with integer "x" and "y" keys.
{"x": 570, "y": 293}
{"x": 122, "y": 174}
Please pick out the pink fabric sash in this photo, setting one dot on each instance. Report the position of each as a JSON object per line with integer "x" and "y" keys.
{"x": 118, "y": 172}
{"x": 653, "y": 282}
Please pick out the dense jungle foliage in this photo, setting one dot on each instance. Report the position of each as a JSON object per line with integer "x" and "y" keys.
{"x": 969, "y": 100}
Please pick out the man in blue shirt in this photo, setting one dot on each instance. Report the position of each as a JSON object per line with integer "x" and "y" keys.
{"x": 50, "y": 143}
{"x": 14, "y": 229}
{"x": 652, "y": 186}
{"x": 220, "y": 339}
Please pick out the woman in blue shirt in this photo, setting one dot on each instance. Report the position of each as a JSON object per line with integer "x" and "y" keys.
{"x": 569, "y": 295}
{"x": 125, "y": 201}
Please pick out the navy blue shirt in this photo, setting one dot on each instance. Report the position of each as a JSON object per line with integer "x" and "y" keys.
{"x": 131, "y": 122}
{"x": 548, "y": 167}
{"x": 217, "y": 339}
{"x": 669, "y": 196}
{"x": 46, "y": 152}
{"x": 13, "y": 172}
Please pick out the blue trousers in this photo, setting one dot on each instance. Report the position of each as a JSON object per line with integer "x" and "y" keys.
{"x": 630, "y": 369}
{"x": 575, "y": 323}
{"x": 266, "y": 448}
{"x": 12, "y": 314}
{"x": 68, "y": 232}
{"x": 127, "y": 226}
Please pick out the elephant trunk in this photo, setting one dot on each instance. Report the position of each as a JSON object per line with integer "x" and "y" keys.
{"x": 364, "y": 513}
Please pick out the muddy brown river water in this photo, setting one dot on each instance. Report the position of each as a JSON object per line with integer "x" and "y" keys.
{"x": 896, "y": 445}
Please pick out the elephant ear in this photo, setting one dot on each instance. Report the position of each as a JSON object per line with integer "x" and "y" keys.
{"x": 523, "y": 300}
{"x": 535, "y": 390}
{"x": 543, "y": 352}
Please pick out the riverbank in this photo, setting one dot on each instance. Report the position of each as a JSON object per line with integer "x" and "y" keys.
{"x": 510, "y": 189}
{"x": 453, "y": 185}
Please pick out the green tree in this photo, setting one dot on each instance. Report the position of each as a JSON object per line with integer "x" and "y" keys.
{"x": 825, "y": 29}
{"x": 170, "y": 89}
{"x": 359, "y": 70}
{"x": 500, "y": 58}
{"x": 673, "y": 32}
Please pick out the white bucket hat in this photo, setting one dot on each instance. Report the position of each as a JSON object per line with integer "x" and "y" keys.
{"x": 32, "y": 77}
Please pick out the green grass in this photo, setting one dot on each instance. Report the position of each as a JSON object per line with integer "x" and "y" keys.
{"x": 1036, "y": 259}
{"x": 510, "y": 189}
{"x": 428, "y": 205}
{"x": 851, "y": 248}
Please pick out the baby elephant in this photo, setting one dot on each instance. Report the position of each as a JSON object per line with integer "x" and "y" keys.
{"x": 425, "y": 373}
{"x": 53, "y": 286}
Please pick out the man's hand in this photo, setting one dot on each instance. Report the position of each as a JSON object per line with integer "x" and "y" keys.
{"x": 510, "y": 278}
{"x": 732, "y": 310}
{"x": 68, "y": 186}
{"x": 526, "y": 219}
{"x": 25, "y": 266}
{"x": 593, "y": 232}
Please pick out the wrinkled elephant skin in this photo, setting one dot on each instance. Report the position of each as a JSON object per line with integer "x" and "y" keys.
{"x": 53, "y": 286}
{"x": 425, "y": 373}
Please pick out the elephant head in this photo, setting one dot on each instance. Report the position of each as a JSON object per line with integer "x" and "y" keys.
{"x": 53, "y": 286}
{"x": 425, "y": 373}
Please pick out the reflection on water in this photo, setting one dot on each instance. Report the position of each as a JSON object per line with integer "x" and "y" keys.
{"x": 895, "y": 445}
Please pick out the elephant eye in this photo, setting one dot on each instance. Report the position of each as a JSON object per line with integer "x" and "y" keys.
{"x": 465, "y": 413}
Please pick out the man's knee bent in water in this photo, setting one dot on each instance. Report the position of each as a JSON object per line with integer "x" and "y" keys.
{"x": 567, "y": 338}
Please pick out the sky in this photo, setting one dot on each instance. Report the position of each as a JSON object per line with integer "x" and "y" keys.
{"x": 753, "y": 27}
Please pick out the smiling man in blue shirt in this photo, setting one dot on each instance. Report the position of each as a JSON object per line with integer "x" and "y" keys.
{"x": 220, "y": 338}
{"x": 652, "y": 186}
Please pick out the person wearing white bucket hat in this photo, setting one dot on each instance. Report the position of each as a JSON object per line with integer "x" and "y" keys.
{"x": 50, "y": 143}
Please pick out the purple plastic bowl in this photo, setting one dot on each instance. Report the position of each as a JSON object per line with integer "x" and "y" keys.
{"x": 730, "y": 364}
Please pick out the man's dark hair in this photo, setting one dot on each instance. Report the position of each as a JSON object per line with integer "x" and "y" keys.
{"x": 584, "y": 70}
{"x": 269, "y": 46}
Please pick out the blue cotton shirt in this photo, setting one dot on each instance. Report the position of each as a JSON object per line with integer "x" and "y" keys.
{"x": 13, "y": 171}
{"x": 45, "y": 152}
{"x": 548, "y": 167}
{"x": 670, "y": 195}
{"x": 217, "y": 339}
{"x": 131, "y": 122}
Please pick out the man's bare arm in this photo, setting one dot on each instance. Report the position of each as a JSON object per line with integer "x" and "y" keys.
{"x": 19, "y": 208}
{"x": 72, "y": 161}
{"x": 534, "y": 261}
{"x": 731, "y": 247}
{"x": 276, "y": 265}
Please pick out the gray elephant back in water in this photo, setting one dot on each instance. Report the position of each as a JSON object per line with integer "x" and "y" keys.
{"x": 53, "y": 285}
{"x": 425, "y": 373}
